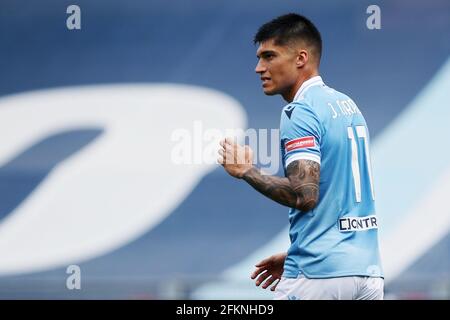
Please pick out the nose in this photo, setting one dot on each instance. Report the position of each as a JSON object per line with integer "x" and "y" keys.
{"x": 260, "y": 68}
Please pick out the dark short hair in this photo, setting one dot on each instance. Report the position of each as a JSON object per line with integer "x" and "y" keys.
{"x": 290, "y": 27}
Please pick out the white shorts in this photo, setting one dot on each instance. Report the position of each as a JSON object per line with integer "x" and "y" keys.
{"x": 342, "y": 288}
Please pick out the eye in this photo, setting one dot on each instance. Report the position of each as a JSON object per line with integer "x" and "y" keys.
{"x": 269, "y": 56}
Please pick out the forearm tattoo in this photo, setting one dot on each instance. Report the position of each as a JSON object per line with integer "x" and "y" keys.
{"x": 300, "y": 190}
{"x": 304, "y": 176}
{"x": 276, "y": 188}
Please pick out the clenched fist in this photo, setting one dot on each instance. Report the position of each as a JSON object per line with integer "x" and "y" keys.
{"x": 235, "y": 159}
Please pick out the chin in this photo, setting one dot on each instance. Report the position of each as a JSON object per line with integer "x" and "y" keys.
{"x": 270, "y": 92}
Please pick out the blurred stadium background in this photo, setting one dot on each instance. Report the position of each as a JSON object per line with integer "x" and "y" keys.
{"x": 86, "y": 123}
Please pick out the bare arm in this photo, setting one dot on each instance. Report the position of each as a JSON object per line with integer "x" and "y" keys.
{"x": 276, "y": 188}
{"x": 304, "y": 176}
{"x": 300, "y": 190}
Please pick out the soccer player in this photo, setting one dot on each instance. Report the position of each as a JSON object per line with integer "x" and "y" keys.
{"x": 328, "y": 185}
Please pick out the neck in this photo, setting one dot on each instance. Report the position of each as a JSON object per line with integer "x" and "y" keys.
{"x": 289, "y": 96}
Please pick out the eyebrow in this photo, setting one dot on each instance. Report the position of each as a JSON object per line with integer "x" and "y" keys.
{"x": 264, "y": 53}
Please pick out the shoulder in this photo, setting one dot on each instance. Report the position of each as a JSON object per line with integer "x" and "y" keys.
{"x": 299, "y": 115}
{"x": 299, "y": 108}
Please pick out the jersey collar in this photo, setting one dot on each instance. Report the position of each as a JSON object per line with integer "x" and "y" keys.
{"x": 314, "y": 81}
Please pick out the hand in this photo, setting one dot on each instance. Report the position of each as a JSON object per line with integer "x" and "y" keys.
{"x": 269, "y": 270}
{"x": 235, "y": 159}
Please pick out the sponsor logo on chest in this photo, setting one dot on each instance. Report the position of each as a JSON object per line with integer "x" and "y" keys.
{"x": 357, "y": 223}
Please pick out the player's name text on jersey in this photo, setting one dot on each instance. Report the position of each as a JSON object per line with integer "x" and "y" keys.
{"x": 343, "y": 108}
{"x": 358, "y": 223}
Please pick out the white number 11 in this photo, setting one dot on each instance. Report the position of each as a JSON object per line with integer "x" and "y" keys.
{"x": 360, "y": 133}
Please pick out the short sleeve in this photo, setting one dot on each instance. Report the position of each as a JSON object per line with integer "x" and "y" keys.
{"x": 301, "y": 133}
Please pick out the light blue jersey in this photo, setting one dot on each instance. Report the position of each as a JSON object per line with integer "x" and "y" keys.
{"x": 339, "y": 237}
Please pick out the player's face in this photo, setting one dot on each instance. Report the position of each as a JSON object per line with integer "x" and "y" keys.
{"x": 277, "y": 68}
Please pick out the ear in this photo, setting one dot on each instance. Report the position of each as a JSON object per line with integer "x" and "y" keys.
{"x": 302, "y": 58}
